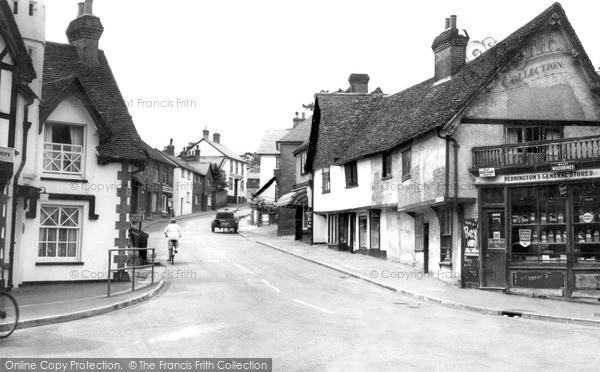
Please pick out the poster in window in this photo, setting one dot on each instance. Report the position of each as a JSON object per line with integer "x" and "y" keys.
{"x": 470, "y": 233}
{"x": 525, "y": 237}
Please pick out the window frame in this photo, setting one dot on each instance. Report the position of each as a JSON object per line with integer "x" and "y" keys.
{"x": 386, "y": 165}
{"x": 406, "y": 164}
{"x": 326, "y": 181}
{"x": 79, "y": 228}
{"x": 82, "y": 154}
{"x": 543, "y": 131}
{"x": 303, "y": 155}
{"x": 351, "y": 173}
{"x": 446, "y": 238}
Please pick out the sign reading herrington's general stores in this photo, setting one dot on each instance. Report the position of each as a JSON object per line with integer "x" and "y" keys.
{"x": 542, "y": 176}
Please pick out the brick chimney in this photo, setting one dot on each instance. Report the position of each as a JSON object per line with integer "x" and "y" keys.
{"x": 450, "y": 49}
{"x": 197, "y": 153}
{"x": 296, "y": 120}
{"x": 84, "y": 32}
{"x": 205, "y": 133}
{"x": 216, "y": 138}
{"x": 170, "y": 149}
{"x": 359, "y": 83}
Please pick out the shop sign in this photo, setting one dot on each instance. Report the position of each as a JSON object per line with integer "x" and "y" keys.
{"x": 7, "y": 155}
{"x": 543, "y": 177}
{"x": 563, "y": 166}
{"x": 525, "y": 237}
{"x": 497, "y": 243}
{"x": 487, "y": 172}
{"x": 588, "y": 217}
{"x": 470, "y": 233}
{"x": 439, "y": 199}
{"x": 167, "y": 189}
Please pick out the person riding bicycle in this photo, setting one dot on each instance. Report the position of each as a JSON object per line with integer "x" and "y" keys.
{"x": 173, "y": 233}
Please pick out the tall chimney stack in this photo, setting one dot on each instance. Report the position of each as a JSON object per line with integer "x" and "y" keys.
{"x": 80, "y": 9}
{"x": 450, "y": 49}
{"x": 170, "y": 149}
{"x": 84, "y": 32}
{"x": 205, "y": 133}
{"x": 216, "y": 137}
{"x": 359, "y": 83}
{"x": 296, "y": 120}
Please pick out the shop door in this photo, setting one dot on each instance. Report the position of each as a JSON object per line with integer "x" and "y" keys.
{"x": 343, "y": 231}
{"x": 352, "y": 232}
{"x": 494, "y": 249}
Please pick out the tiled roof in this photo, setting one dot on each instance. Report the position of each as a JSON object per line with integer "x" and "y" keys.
{"x": 339, "y": 118}
{"x": 299, "y": 133}
{"x": 202, "y": 168}
{"x": 409, "y": 114}
{"x": 219, "y": 147}
{"x": 62, "y": 69}
{"x": 268, "y": 144}
{"x": 178, "y": 162}
{"x": 10, "y": 33}
{"x": 156, "y": 155}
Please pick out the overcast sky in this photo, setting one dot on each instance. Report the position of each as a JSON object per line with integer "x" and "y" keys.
{"x": 241, "y": 67}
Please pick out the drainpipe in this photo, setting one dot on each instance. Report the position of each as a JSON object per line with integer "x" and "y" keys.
{"x": 13, "y": 225}
{"x": 447, "y": 186}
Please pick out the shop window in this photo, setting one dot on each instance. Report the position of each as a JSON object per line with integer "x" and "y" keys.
{"x": 351, "y": 172}
{"x": 406, "y": 164}
{"x": 332, "y": 228}
{"x": 446, "y": 235}
{"x": 586, "y": 223}
{"x": 362, "y": 232}
{"x": 306, "y": 218}
{"x": 63, "y": 149}
{"x": 326, "y": 183}
{"x": 386, "y": 160}
{"x": 375, "y": 217}
{"x": 60, "y": 229}
{"x": 538, "y": 220}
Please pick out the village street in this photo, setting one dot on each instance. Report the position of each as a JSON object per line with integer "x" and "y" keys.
{"x": 227, "y": 296}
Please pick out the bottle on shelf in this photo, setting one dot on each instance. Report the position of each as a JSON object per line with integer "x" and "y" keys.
{"x": 551, "y": 236}
{"x": 544, "y": 236}
{"x": 543, "y": 218}
{"x": 581, "y": 236}
{"x": 561, "y": 217}
{"x": 532, "y": 217}
{"x": 565, "y": 236}
{"x": 559, "y": 236}
{"x": 535, "y": 238}
{"x": 588, "y": 236}
{"x": 581, "y": 213}
{"x": 596, "y": 236}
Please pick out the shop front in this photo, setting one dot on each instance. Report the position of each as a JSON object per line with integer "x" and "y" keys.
{"x": 540, "y": 234}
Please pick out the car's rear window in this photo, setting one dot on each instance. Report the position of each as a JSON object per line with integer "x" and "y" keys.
{"x": 225, "y": 216}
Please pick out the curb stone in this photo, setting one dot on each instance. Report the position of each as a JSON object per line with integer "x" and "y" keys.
{"x": 446, "y": 303}
{"x": 91, "y": 312}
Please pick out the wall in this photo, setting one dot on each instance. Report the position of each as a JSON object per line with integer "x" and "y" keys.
{"x": 183, "y": 188}
{"x": 340, "y": 197}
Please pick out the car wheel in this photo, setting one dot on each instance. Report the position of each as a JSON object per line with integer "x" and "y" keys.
{"x": 212, "y": 229}
{"x": 235, "y": 230}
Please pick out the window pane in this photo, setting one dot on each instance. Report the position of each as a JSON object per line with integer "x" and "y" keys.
{"x": 362, "y": 232}
{"x": 375, "y": 236}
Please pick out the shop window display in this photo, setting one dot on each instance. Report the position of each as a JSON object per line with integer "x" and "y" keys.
{"x": 538, "y": 224}
{"x": 586, "y": 223}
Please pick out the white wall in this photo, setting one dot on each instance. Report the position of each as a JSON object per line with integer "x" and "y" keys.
{"x": 267, "y": 165}
{"x": 340, "y": 197}
{"x": 182, "y": 189}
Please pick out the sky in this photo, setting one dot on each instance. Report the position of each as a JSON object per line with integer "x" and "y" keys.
{"x": 242, "y": 67}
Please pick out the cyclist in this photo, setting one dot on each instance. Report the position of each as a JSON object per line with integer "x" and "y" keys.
{"x": 173, "y": 233}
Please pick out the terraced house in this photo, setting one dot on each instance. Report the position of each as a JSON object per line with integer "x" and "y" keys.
{"x": 484, "y": 175}
{"x": 78, "y": 146}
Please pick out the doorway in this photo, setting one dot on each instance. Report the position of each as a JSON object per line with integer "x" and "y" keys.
{"x": 494, "y": 249}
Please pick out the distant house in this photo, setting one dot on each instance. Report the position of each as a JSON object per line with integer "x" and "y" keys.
{"x": 253, "y": 184}
{"x": 293, "y": 186}
{"x": 234, "y": 168}
{"x": 269, "y": 161}
{"x": 152, "y": 189}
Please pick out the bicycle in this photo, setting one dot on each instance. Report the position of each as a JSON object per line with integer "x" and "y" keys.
{"x": 172, "y": 250}
{"x": 9, "y": 314}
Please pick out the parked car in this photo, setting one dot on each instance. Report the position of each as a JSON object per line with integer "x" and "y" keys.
{"x": 225, "y": 219}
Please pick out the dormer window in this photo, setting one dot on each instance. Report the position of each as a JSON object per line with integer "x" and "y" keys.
{"x": 63, "y": 149}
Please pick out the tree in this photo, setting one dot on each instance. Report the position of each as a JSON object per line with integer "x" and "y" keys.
{"x": 220, "y": 182}
{"x": 253, "y": 161}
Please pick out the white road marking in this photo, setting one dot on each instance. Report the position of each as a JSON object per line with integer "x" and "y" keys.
{"x": 271, "y": 285}
{"x": 177, "y": 335}
{"x": 313, "y": 306}
{"x": 243, "y": 268}
{"x": 221, "y": 255}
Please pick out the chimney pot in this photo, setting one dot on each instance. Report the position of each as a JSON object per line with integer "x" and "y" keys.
{"x": 205, "y": 133}
{"x": 80, "y": 9}
{"x": 452, "y": 21}
{"x": 89, "y": 7}
{"x": 359, "y": 83}
{"x": 447, "y": 24}
{"x": 216, "y": 138}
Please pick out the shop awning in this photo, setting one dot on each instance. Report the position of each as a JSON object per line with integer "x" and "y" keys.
{"x": 291, "y": 199}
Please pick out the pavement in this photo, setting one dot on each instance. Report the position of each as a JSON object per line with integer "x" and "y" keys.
{"x": 409, "y": 281}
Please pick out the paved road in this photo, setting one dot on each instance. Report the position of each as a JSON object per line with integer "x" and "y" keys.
{"x": 229, "y": 297}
